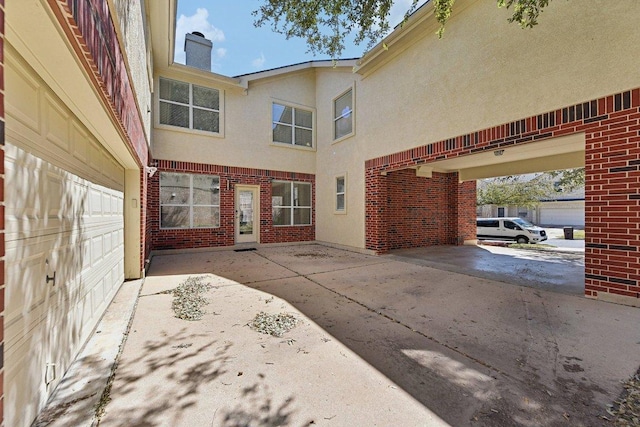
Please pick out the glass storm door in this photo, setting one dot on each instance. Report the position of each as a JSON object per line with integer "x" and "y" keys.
{"x": 247, "y": 214}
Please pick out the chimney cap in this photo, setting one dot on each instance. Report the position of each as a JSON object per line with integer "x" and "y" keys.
{"x": 198, "y": 33}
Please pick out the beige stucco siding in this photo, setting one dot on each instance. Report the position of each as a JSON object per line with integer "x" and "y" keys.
{"x": 341, "y": 158}
{"x": 131, "y": 32}
{"x": 486, "y": 72}
{"x": 247, "y": 139}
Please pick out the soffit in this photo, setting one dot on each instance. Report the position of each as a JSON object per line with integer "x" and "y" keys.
{"x": 553, "y": 154}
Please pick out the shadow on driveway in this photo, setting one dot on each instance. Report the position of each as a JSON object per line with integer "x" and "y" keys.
{"x": 475, "y": 352}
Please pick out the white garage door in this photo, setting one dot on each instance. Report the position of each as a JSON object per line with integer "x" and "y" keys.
{"x": 562, "y": 213}
{"x": 64, "y": 219}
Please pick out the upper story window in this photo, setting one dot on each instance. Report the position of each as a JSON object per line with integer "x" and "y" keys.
{"x": 292, "y": 125}
{"x": 189, "y": 200}
{"x": 189, "y": 106}
{"x": 343, "y": 115}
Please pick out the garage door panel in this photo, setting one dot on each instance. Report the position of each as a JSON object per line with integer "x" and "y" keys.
{"x": 26, "y": 107}
{"x": 570, "y": 213}
{"x": 57, "y": 123}
{"x": 64, "y": 208}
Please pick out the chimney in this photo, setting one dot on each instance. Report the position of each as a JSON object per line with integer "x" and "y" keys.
{"x": 198, "y": 51}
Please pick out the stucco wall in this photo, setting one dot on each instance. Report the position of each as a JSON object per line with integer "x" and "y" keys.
{"x": 247, "y": 127}
{"x": 130, "y": 17}
{"x": 342, "y": 158}
{"x": 486, "y": 71}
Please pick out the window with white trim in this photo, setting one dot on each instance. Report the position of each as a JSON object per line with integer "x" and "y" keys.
{"x": 189, "y": 106}
{"x": 189, "y": 200}
{"x": 343, "y": 115}
{"x": 341, "y": 193}
{"x": 291, "y": 203}
{"x": 292, "y": 125}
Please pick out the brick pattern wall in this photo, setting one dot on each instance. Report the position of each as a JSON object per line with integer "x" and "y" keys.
{"x": 2, "y": 281}
{"x": 225, "y": 234}
{"x": 612, "y": 192}
{"x": 465, "y": 205}
{"x": 421, "y": 211}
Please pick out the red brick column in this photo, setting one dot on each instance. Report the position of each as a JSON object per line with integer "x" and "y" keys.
{"x": 376, "y": 236}
{"x": 2, "y": 279}
{"x": 612, "y": 203}
{"x": 465, "y": 215}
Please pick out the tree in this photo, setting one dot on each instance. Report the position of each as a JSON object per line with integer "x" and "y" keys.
{"x": 326, "y": 23}
{"x": 513, "y": 190}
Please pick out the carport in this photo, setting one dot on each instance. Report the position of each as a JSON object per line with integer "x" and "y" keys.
{"x": 600, "y": 135}
{"x": 554, "y": 271}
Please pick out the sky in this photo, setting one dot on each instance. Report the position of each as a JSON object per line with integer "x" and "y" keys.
{"x": 239, "y": 47}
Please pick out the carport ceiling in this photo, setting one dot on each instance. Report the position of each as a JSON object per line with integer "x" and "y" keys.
{"x": 552, "y": 154}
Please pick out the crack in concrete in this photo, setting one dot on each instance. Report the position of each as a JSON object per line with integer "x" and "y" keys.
{"x": 386, "y": 316}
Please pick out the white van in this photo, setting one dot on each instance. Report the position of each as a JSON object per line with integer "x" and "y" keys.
{"x": 518, "y": 229}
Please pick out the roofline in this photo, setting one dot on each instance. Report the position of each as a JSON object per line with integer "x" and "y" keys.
{"x": 324, "y": 63}
{"x": 414, "y": 25}
{"x": 570, "y": 199}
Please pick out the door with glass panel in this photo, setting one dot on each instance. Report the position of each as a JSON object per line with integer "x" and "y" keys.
{"x": 247, "y": 213}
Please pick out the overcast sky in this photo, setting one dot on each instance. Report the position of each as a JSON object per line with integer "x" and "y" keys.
{"x": 239, "y": 47}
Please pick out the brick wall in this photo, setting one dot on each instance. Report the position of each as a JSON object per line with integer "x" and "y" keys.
{"x": 427, "y": 211}
{"x": 465, "y": 216}
{"x": 612, "y": 192}
{"x": 2, "y": 281}
{"x": 225, "y": 234}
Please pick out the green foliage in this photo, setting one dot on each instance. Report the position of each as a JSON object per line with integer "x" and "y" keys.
{"x": 512, "y": 190}
{"x": 325, "y": 24}
{"x": 568, "y": 180}
{"x": 525, "y": 12}
{"x": 442, "y": 10}
{"x": 506, "y": 191}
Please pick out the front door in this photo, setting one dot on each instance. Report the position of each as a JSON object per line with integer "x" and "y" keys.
{"x": 247, "y": 213}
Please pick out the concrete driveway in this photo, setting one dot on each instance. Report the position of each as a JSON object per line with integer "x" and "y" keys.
{"x": 558, "y": 271}
{"x": 381, "y": 342}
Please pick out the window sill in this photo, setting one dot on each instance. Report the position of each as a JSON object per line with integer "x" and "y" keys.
{"x": 295, "y": 225}
{"x": 291, "y": 146}
{"x": 218, "y": 135}
{"x": 343, "y": 212}
{"x": 188, "y": 228}
{"x": 342, "y": 138}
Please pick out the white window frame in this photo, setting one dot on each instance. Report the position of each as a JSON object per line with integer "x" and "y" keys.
{"x": 343, "y": 194}
{"x": 293, "y": 206}
{"x": 190, "y": 204}
{"x": 191, "y": 107}
{"x": 294, "y": 126}
{"x": 352, "y": 113}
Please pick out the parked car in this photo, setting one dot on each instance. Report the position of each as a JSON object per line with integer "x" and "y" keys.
{"x": 517, "y": 229}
